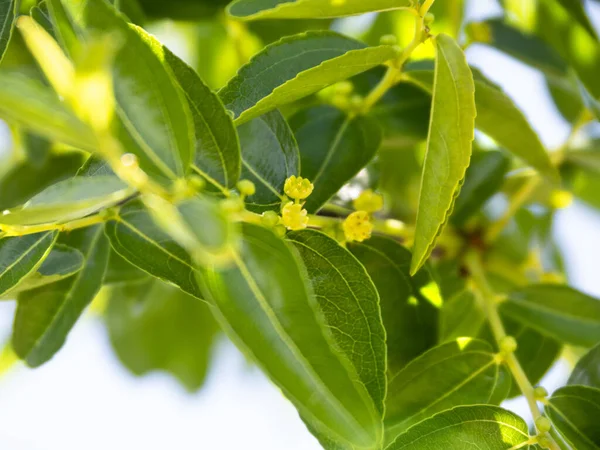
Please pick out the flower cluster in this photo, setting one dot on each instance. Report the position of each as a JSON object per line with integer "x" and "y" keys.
{"x": 293, "y": 214}
{"x": 358, "y": 226}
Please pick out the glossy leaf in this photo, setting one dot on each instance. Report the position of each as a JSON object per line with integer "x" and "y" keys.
{"x": 155, "y": 120}
{"x": 295, "y": 67}
{"x": 62, "y": 26}
{"x": 308, "y": 9}
{"x": 461, "y": 316}
{"x": 557, "y": 311}
{"x": 449, "y": 144}
{"x": 136, "y": 238}
{"x": 21, "y": 256}
{"x": 24, "y": 180}
{"x": 574, "y": 411}
{"x": 217, "y": 145}
{"x": 577, "y": 11}
{"x": 350, "y": 303}
{"x": 270, "y": 156}
{"x": 120, "y": 271}
{"x": 409, "y": 317}
{"x": 153, "y": 326}
{"x": 46, "y": 315}
{"x": 334, "y": 147}
{"x": 62, "y": 262}
{"x": 8, "y": 12}
{"x": 489, "y": 427}
{"x": 461, "y": 372}
{"x": 69, "y": 200}
{"x": 181, "y": 9}
{"x": 484, "y": 178}
{"x": 35, "y": 107}
{"x": 587, "y": 369}
{"x": 499, "y": 118}
{"x": 265, "y": 305}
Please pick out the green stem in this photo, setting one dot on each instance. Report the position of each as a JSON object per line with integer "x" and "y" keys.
{"x": 516, "y": 203}
{"x": 490, "y": 307}
{"x": 17, "y": 230}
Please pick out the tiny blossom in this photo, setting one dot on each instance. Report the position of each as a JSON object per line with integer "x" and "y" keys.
{"x": 298, "y": 188}
{"x": 358, "y": 226}
{"x": 294, "y": 217}
{"x": 368, "y": 201}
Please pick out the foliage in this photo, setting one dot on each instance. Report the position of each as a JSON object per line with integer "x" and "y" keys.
{"x": 330, "y": 208}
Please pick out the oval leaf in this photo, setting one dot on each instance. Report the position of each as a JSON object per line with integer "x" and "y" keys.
{"x": 557, "y": 311}
{"x": 217, "y": 145}
{"x": 410, "y": 319}
{"x": 587, "y": 370}
{"x": 21, "y": 256}
{"x": 155, "y": 120}
{"x": 154, "y": 326}
{"x": 461, "y": 372}
{"x": 270, "y": 156}
{"x": 61, "y": 263}
{"x": 69, "y": 200}
{"x": 310, "y": 9}
{"x": 46, "y": 315}
{"x": 136, "y": 238}
{"x": 295, "y": 67}
{"x": 334, "y": 147}
{"x": 265, "y": 305}
{"x": 499, "y": 118}
{"x": 451, "y": 132}
{"x": 350, "y": 304}
{"x": 490, "y": 427}
{"x": 575, "y": 410}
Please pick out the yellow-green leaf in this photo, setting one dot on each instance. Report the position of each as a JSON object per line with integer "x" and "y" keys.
{"x": 451, "y": 132}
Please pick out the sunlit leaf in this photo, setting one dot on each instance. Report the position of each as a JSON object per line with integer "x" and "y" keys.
{"x": 587, "y": 369}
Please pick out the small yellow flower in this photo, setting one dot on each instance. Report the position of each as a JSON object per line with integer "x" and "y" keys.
{"x": 560, "y": 199}
{"x": 298, "y": 188}
{"x": 294, "y": 217}
{"x": 358, "y": 226}
{"x": 368, "y": 201}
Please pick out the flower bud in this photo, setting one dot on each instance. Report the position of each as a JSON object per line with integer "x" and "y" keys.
{"x": 294, "y": 217}
{"x": 368, "y": 201}
{"x": 540, "y": 393}
{"x": 270, "y": 219}
{"x": 358, "y": 227}
{"x": 543, "y": 424}
{"x": 508, "y": 344}
{"x": 246, "y": 188}
{"x": 298, "y": 188}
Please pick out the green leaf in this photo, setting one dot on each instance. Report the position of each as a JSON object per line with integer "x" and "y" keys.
{"x": 461, "y": 372}
{"x": 264, "y": 303}
{"x": 270, "y": 156}
{"x": 120, "y": 270}
{"x": 487, "y": 427}
{"x": 8, "y": 12}
{"x": 21, "y": 256}
{"x": 577, "y": 12}
{"x": 155, "y": 121}
{"x": 409, "y": 317}
{"x": 29, "y": 103}
{"x": 136, "y": 238}
{"x": 153, "y": 326}
{"x": 308, "y": 9}
{"x": 46, "y": 315}
{"x": 69, "y": 200}
{"x": 350, "y": 303}
{"x": 572, "y": 40}
{"x": 527, "y": 48}
{"x": 25, "y": 179}
{"x": 484, "y": 178}
{"x": 461, "y": 316}
{"x": 557, "y": 311}
{"x": 451, "y": 133}
{"x": 588, "y": 160}
{"x": 182, "y": 9}
{"x": 36, "y": 148}
{"x": 574, "y": 411}
{"x": 295, "y": 67}
{"x": 62, "y": 27}
{"x": 499, "y": 118}
{"x": 587, "y": 369}
{"x": 217, "y": 145}
{"x": 334, "y": 147}
{"x": 62, "y": 262}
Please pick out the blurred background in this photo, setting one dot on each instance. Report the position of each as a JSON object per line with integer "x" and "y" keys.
{"x": 85, "y": 398}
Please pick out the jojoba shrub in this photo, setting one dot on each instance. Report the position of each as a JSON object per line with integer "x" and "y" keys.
{"x": 322, "y": 200}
